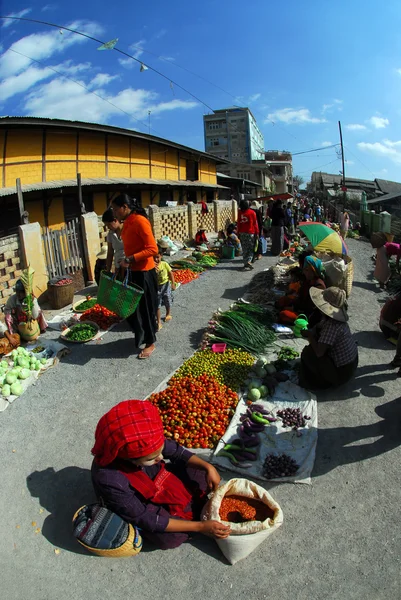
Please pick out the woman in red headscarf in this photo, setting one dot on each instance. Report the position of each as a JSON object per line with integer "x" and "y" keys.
{"x": 131, "y": 478}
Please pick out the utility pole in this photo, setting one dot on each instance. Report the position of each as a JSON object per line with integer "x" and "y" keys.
{"x": 343, "y": 164}
{"x": 149, "y": 112}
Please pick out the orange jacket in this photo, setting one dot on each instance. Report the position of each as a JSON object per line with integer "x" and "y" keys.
{"x": 139, "y": 242}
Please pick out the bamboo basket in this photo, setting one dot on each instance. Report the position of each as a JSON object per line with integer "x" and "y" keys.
{"x": 131, "y": 547}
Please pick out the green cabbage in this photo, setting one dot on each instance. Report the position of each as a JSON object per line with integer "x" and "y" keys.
{"x": 10, "y": 378}
{"x": 23, "y": 362}
{"x": 264, "y": 390}
{"x": 5, "y": 390}
{"x": 24, "y": 374}
{"x": 254, "y": 395}
{"x": 16, "y": 389}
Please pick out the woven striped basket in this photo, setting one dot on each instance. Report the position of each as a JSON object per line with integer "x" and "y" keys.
{"x": 120, "y": 297}
{"x": 131, "y": 547}
{"x": 348, "y": 280}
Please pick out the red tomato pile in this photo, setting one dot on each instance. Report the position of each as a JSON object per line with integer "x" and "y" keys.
{"x": 195, "y": 411}
{"x": 66, "y": 281}
{"x": 101, "y": 316}
{"x": 184, "y": 276}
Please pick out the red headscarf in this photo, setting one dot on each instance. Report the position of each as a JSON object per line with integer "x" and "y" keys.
{"x": 131, "y": 429}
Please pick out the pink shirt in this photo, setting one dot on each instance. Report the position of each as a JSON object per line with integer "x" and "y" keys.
{"x": 393, "y": 249}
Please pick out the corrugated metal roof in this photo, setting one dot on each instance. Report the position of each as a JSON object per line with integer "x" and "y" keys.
{"x": 51, "y": 185}
{"x": 223, "y": 176}
{"x": 385, "y": 198}
{"x": 6, "y": 121}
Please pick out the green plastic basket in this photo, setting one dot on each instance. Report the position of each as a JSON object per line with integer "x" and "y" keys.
{"x": 119, "y": 296}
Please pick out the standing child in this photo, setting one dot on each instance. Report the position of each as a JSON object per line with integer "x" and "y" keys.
{"x": 166, "y": 283}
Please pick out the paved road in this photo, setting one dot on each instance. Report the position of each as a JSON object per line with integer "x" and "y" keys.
{"x": 340, "y": 538}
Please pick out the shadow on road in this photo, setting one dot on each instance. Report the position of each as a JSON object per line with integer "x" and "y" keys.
{"x": 372, "y": 339}
{"x": 61, "y": 493}
{"x": 365, "y": 383}
{"x": 340, "y": 445}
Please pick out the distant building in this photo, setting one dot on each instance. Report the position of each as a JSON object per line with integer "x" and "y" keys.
{"x": 233, "y": 134}
{"x": 257, "y": 172}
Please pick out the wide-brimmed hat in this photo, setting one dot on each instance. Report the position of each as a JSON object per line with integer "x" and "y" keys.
{"x": 255, "y": 204}
{"x": 331, "y": 302}
{"x": 163, "y": 244}
{"x": 102, "y": 255}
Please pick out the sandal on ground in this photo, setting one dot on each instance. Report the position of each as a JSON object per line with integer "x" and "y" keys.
{"x": 159, "y": 327}
{"x": 146, "y": 353}
{"x": 169, "y": 317}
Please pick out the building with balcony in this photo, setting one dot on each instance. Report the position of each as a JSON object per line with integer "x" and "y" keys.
{"x": 233, "y": 134}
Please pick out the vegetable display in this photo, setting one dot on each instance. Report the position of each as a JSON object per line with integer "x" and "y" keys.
{"x": 185, "y": 276}
{"x": 234, "y": 510}
{"x": 230, "y": 367}
{"x": 207, "y": 261}
{"x": 65, "y": 281}
{"x": 288, "y": 353}
{"x": 85, "y": 304}
{"x": 260, "y": 288}
{"x": 101, "y": 316}
{"x": 18, "y": 368}
{"x": 292, "y": 417}
{"x": 243, "y": 326}
{"x": 279, "y": 465}
{"x": 81, "y": 332}
{"x": 187, "y": 264}
{"x": 195, "y": 410}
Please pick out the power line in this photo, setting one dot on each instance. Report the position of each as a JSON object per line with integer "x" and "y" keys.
{"x": 85, "y": 88}
{"x": 314, "y": 150}
{"x": 89, "y": 37}
{"x": 354, "y": 155}
{"x": 318, "y": 168}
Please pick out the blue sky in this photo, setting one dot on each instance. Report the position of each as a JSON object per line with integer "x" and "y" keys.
{"x": 299, "y": 66}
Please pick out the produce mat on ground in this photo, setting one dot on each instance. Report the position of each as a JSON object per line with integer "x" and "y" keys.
{"x": 52, "y": 352}
{"x": 69, "y": 318}
{"x": 299, "y": 445}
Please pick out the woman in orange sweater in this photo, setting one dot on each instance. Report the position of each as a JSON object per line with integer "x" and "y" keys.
{"x": 139, "y": 247}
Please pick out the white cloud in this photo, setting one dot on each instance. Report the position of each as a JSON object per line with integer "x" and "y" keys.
{"x": 168, "y": 58}
{"x": 293, "y": 116}
{"x": 16, "y": 84}
{"x": 64, "y": 98}
{"x": 137, "y": 51}
{"x": 48, "y": 7}
{"x": 160, "y": 34}
{"x": 355, "y": 127}
{"x": 335, "y": 104}
{"x": 20, "y": 14}
{"x": 387, "y": 148}
{"x": 254, "y": 97}
{"x": 102, "y": 79}
{"x": 349, "y": 162}
{"x": 378, "y": 122}
{"x": 42, "y": 46}
{"x": 326, "y": 144}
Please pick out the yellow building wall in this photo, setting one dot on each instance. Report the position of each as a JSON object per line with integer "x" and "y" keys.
{"x": 158, "y": 155}
{"x": 92, "y": 169}
{"x": 172, "y": 174}
{"x": 139, "y": 152}
{"x": 56, "y": 213}
{"x": 118, "y": 148}
{"x": 145, "y": 196}
{"x": 140, "y": 171}
{"x": 183, "y": 168}
{"x": 92, "y": 146}
{"x": 119, "y": 170}
{"x": 61, "y": 146}
{"x": 22, "y": 147}
{"x": 99, "y": 202}
{"x": 28, "y": 173}
{"x": 35, "y": 210}
{"x": 61, "y": 170}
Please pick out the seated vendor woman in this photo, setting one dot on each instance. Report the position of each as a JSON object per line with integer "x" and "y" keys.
{"x": 313, "y": 277}
{"x": 332, "y": 355}
{"x": 15, "y": 310}
{"x": 131, "y": 478}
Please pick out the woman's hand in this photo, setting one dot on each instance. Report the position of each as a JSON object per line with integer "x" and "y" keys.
{"x": 215, "y": 529}
{"x": 125, "y": 264}
{"x": 212, "y": 478}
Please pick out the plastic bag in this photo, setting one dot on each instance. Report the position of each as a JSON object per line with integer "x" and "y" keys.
{"x": 244, "y": 537}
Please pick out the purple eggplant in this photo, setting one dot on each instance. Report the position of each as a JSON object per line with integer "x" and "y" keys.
{"x": 244, "y": 455}
{"x": 258, "y": 408}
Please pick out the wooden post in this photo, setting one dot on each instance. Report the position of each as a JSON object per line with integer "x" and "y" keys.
{"x": 24, "y": 215}
{"x": 81, "y": 202}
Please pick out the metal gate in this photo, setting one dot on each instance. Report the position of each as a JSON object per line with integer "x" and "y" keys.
{"x": 64, "y": 249}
